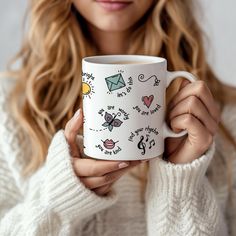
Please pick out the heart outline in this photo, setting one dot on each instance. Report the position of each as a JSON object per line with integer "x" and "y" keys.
{"x": 147, "y": 100}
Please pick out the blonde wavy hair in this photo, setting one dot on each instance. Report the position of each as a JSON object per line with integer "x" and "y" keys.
{"x": 49, "y": 79}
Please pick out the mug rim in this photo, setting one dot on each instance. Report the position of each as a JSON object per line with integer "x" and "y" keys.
{"x": 106, "y": 60}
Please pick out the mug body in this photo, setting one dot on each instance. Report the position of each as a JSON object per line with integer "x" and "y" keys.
{"x": 124, "y": 106}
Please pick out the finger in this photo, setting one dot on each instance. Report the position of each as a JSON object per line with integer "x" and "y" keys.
{"x": 92, "y": 167}
{"x": 171, "y": 144}
{"x": 95, "y": 182}
{"x": 198, "y": 141}
{"x": 184, "y": 83}
{"x": 199, "y": 89}
{"x": 193, "y": 105}
{"x": 80, "y": 145}
{"x": 71, "y": 131}
{"x": 103, "y": 190}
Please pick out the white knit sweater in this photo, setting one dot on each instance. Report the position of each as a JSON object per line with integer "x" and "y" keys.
{"x": 182, "y": 199}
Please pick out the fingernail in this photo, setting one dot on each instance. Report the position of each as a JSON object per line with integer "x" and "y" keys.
{"x": 123, "y": 165}
{"x": 77, "y": 114}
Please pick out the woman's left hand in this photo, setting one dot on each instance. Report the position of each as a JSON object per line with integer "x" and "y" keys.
{"x": 193, "y": 108}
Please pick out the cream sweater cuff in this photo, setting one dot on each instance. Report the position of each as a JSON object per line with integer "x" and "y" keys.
{"x": 64, "y": 193}
{"x": 179, "y": 180}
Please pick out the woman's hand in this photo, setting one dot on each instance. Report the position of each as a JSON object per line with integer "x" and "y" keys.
{"x": 97, "y": 175}
{"x": 194, "y": 109}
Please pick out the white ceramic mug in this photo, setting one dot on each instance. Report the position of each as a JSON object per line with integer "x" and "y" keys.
{"x": 124, "y": 106}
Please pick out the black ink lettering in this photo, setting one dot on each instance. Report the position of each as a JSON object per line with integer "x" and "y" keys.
{"x": 117, "y": 150}
{"x": 110, "y": 107}
{"x": 145, "y": 113}
{"x": 101, "y": 111}
{"x": 130, "y": 81}
{"x": 119, "y": 95}
{"x": 128, "y": 89}
{"x": 137, "y": 108}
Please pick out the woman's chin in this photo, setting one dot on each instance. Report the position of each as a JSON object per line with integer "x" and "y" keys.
{"x": 112, "y": 26}
{"x": 112, "y": 29}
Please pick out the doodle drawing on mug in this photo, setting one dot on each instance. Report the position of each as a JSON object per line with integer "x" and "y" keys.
{"x": 111, "y": 117}
{"x": 109, "y": 143}
{"x": 109, "y": 147}
{"x": 142, "y": 145}
{"x": 115, "y": 82}
{"x": 142, "y": 79}
{"x": 147, "y": 100}
{"x": 144, "y": 138}
{"x": 87, "y": 85}
{"x": 112, "y": 121}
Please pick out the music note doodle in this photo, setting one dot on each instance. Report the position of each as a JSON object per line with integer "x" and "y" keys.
{"x": 141, "y": 145}
{"x": 152, "y": 143}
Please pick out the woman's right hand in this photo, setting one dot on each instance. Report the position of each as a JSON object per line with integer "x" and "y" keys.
{"x": 97, "y": 175}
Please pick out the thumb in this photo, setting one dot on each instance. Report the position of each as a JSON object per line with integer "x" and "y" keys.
{"x": 77, "y": 121}
{"x": 71, "y": 131}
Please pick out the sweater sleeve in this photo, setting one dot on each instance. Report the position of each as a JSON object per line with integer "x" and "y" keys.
{"x": 53, "y": 199}
{"x": 180, "y": 199}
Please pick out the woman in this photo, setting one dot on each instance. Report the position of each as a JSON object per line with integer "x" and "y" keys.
{"x": 48, "y": 188}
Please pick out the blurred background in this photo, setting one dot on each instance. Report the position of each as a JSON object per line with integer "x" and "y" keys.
{"x": 217, "y": 19}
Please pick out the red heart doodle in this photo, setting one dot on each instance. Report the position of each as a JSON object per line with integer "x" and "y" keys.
{"x": 148, "y": 100}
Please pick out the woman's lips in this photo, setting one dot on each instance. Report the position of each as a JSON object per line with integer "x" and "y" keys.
{"x": 113, "y": 5}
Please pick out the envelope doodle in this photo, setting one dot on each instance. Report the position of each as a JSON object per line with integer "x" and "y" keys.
{"x": 115, "y": 82}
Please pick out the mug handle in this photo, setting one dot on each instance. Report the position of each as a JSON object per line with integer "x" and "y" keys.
{"x": 167, "y": 132}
